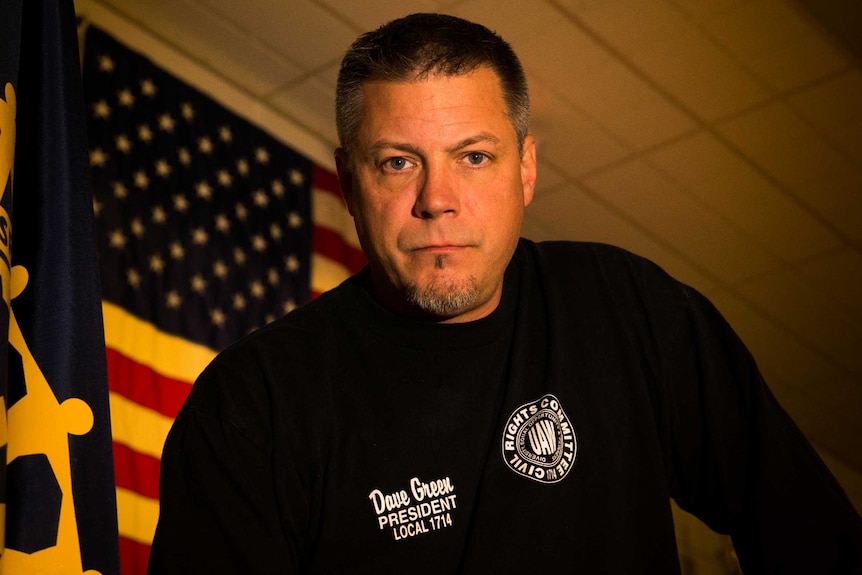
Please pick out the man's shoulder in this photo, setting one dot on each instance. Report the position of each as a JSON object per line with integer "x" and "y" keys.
{"x": 594, "y": 271}
{"x": 584, "y": 255}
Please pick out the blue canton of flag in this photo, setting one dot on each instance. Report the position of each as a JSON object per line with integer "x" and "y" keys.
{"x": 203, "y": 220}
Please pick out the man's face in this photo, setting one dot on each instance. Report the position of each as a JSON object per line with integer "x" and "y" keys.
{"x": 437, "y": 189}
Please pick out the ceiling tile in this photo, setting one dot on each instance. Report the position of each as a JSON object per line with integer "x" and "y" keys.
{"x": 790, "y": 300}
{"x": 625, "y": 104}
{"x": 773, "y": 39}
{"x": 511, "y": 20}
{"x": 568, "y": 139}
{"x": 580, "y": 73}
{"x": 839, "y": 275}
{"x": 310, "y": 104}
{"x": 370, "y": 14}
{"x": 212, "y": 41}
{"x": 568, "y": 213}
{"x": 700, "y": 10}
{"x": 726, "y": 183}
{"x": 303, "y": 31}
{"x": 666, "y": 46}
{"x": 798, "y": 158}
{"x": 779, "y": 353}
{"x": 548, "y": 177}
{"x": 834, "y": 109}
{"x": 657, "y": 203}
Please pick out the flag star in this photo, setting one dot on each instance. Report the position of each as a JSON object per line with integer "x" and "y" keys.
{"x": 199, "y": 236}
{"x": 218, "y": 318}
{"x": 277, "y": 188}
{"x": 125, "y": 98}
{"x": 269, "y": 318}
{"x": 102, "y": 110}
{"x": 159, "y": 215}
{"x": 296, "y": 178}
{"x": 133, "y": 277}
{"x": 242, "y": 166}
{"x": 291, "y": 263}
{"x": 260, "y": 199}
{"x": 163, "y": 168}
{"x": 181, "y": 204}
{"x": 157, "y": 264}
{"x": 294, "y": 220}
{"x": 224, "y": 178}
{"x": 198, "y": 283}
{"x": 272, "y": 276}
{"x": 177, "y": 251}
{"x": 205, "y": 145}
{"x": 117, "y": 239}
{"x": 222, "y": 223}
{"x": 203, "y": 190}
{"x": 185, "y": 156}
{"x": 141, "y": 180}
{"x": 148, "y": 88}
{"x": 106, "y": 64}
{"x": 261, "y": 156}
{"x": 239, "y": 256}
{"x": 145, "y": 134}
{"x": 138, "y": 228}
{"x": 225, "y": 134}
{"x": 124, "y": 144}
{"x": 166, "y": 123}
{"x": 289, "y": 306}
{"x": 120, "y": 190}
{"x": 241, "y": 212}
{"x": 188, "y": 111}
{"x": 98, "y": 157}
{"x": 239, "y": 302}
{"x": 220, "y": 269}
{"x": 173, "y": 299}
{"x": 258, "y": 243}
{"x": 97, "y": 207}
{"x": 257, "y": 289}
{"x": 275, "y": 232}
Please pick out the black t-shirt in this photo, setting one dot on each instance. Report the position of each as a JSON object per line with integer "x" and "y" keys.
{"x": 548, "y": 436}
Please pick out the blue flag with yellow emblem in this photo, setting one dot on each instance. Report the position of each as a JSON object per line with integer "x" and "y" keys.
{"x": 59, "y": 499}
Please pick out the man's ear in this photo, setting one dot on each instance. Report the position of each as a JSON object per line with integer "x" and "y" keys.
{"x": 528, "y": 169}
{"x": 345, "y": 177}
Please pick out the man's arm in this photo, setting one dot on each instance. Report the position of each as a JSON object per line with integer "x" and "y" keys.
{"x": 220, "y": 509}
{"x": 740, "y": 463}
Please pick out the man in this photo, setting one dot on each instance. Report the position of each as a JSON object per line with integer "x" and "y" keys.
{"x": 476, "y": 403}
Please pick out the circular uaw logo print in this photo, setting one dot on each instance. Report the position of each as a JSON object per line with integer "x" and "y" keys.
{"x": 539, "y": 441}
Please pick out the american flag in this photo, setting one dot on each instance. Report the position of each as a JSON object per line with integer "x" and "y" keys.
{"x": 208, "y": 228}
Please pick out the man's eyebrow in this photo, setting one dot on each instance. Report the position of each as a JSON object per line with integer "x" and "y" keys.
{"x": 483, "y": 137}
{"x": 391, "y": 145}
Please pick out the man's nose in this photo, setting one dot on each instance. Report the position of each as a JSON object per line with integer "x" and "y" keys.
{"x": 438, "y": 193}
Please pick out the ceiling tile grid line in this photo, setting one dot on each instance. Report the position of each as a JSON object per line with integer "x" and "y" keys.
{"x": 711, "y": 125}
{"x": 650, "y": 39}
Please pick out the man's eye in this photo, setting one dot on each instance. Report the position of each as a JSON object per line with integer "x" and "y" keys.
{"x": 476, "y": 158}
{"x": 397, "y": 164}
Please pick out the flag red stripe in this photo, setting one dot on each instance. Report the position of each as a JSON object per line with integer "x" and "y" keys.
{"x": 144, "y": 386}
{"x": 332, "y": 245}
{"x": 136, "y": 471}
{"x": 134, "y": 557}
{"x": 323, "y": 179}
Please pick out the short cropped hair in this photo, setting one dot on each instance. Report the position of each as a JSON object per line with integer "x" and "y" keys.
{"x": 422, "y": 45}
